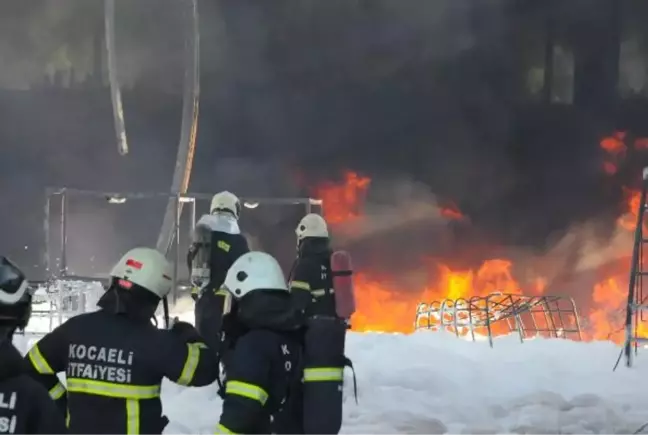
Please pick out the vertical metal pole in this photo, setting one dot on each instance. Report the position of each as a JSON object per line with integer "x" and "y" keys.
{"x": 635, "y": 268}
{"x": 63, "y": 260}
{"x": 46, "y": 230}
{"x": 192, "y": 217}
{"x": 176, "y": 246}
{"x": 309, "y": 206}
{"x": 61, "y": 305}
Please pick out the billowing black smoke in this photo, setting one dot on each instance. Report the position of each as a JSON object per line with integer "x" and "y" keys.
{"x": 434, "y": 95}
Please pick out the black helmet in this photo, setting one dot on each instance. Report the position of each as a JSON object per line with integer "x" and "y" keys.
{"x": 15, "y": 296}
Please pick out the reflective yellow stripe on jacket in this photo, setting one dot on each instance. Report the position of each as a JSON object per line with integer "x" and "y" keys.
{"x": 39, "y": 362}
{"x": 222, "y": 429}
{"x": 131, "y": 393}
{"x": 302, "y": 285}
{"x": 191, "y": 363}
{"x": 321, "y": 292}
{"x": 245, "y": 389}
{"x": 57, "y": 391}
{"x": 324, "y": 374}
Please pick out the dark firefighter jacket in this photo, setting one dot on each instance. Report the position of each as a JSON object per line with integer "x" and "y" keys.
{"x": 25, "y": 406}
{"x": 310, "y": 281}
{"x": 264, "y": 365}
{"x": 114, "y": 367}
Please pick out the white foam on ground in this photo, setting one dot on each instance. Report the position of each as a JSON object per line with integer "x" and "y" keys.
{"x": 432, "y": 382}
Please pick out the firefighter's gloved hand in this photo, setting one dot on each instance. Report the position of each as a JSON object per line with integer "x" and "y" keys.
{"x": 185, "y": 330}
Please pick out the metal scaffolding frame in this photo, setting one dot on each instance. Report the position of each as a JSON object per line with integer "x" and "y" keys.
{"x": 528, "y": 316}
{"x": 637, "y": 303}
{"x": 62, "y": 194}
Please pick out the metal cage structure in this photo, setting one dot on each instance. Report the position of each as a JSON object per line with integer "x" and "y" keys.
{"x": 502, "y": 313}
{"x": 636, "y": 318}
{"x": 61, "y": 195}
{"x": 55, "y": 302}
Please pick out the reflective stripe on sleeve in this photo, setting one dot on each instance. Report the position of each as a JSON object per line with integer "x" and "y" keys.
{"x": 109, "y": 389}
{"x": 57, "y": 391}
{"x": 39, "y": 362}
{"x": 244, "y": 389}
{"x": 222, "y": 429}
{"x": 132, "y": 416}
{"x": 321, "y": 292}
{"x": 324, "y": 374}
{"x": 302, "y": 285}
{"x": 190, "y": 365}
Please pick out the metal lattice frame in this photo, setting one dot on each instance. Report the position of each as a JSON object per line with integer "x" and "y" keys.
{"x": 62, "y": 194}
{"x": 528, "y": 316}
{"x": 637, "y": 303}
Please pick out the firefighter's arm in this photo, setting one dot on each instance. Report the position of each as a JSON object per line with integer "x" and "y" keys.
{"x": 209, "y": 316}
{"x": 187, "y": 360}
{"x": 191, "y": 254}
{"x": 300, "y": 287}
{"x": 246, "y": 387}
{"x": 47, "y": 358}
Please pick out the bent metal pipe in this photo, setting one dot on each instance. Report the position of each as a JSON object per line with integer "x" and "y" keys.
{"x": 187, "y": 144}
{"x": 115, "y": 91}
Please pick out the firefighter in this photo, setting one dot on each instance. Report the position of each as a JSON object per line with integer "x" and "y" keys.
{"x": 25, "y": 406}
{"x": 218, "y": 242}
{"x": 115, "y": 359}
{"x": 311, "y": 285}
{"x": 265, "y": 363}
{"x": 310, "y": 281}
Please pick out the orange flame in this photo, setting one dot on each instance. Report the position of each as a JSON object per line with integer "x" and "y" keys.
{"x": 452, "y": 212}
{"x": 343, "y": 202}
{"x": 384, "y": 306}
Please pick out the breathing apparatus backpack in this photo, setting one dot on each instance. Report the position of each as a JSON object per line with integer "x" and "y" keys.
{"x": 324, "y": 357}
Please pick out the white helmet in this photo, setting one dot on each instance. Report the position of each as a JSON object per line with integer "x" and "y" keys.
{"x": 226, "y": 201}
{"x": 311, "y": 225}
{"x": 252, "y": 271}
{"x": 147, "y": 268}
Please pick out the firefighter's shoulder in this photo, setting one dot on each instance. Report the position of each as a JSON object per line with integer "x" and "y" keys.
{"x": 26, "y": 407}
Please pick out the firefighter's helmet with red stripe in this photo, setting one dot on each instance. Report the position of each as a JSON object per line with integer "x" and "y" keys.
{"x": 146, "y": 268}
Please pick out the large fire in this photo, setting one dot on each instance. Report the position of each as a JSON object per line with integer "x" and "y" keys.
{"x": 381, "y": 306}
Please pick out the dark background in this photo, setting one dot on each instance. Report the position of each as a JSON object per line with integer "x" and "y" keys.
{"x": 496, "y": 105}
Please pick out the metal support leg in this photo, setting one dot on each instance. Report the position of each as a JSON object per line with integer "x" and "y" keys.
{"x": 46, "y": 230}
{"x": 63, "y": 258}
{"x": 176, "y": 247}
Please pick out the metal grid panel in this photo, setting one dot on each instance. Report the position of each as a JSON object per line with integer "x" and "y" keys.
{"x": 528, "y": 316}
{"x": 62, "y": 195}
